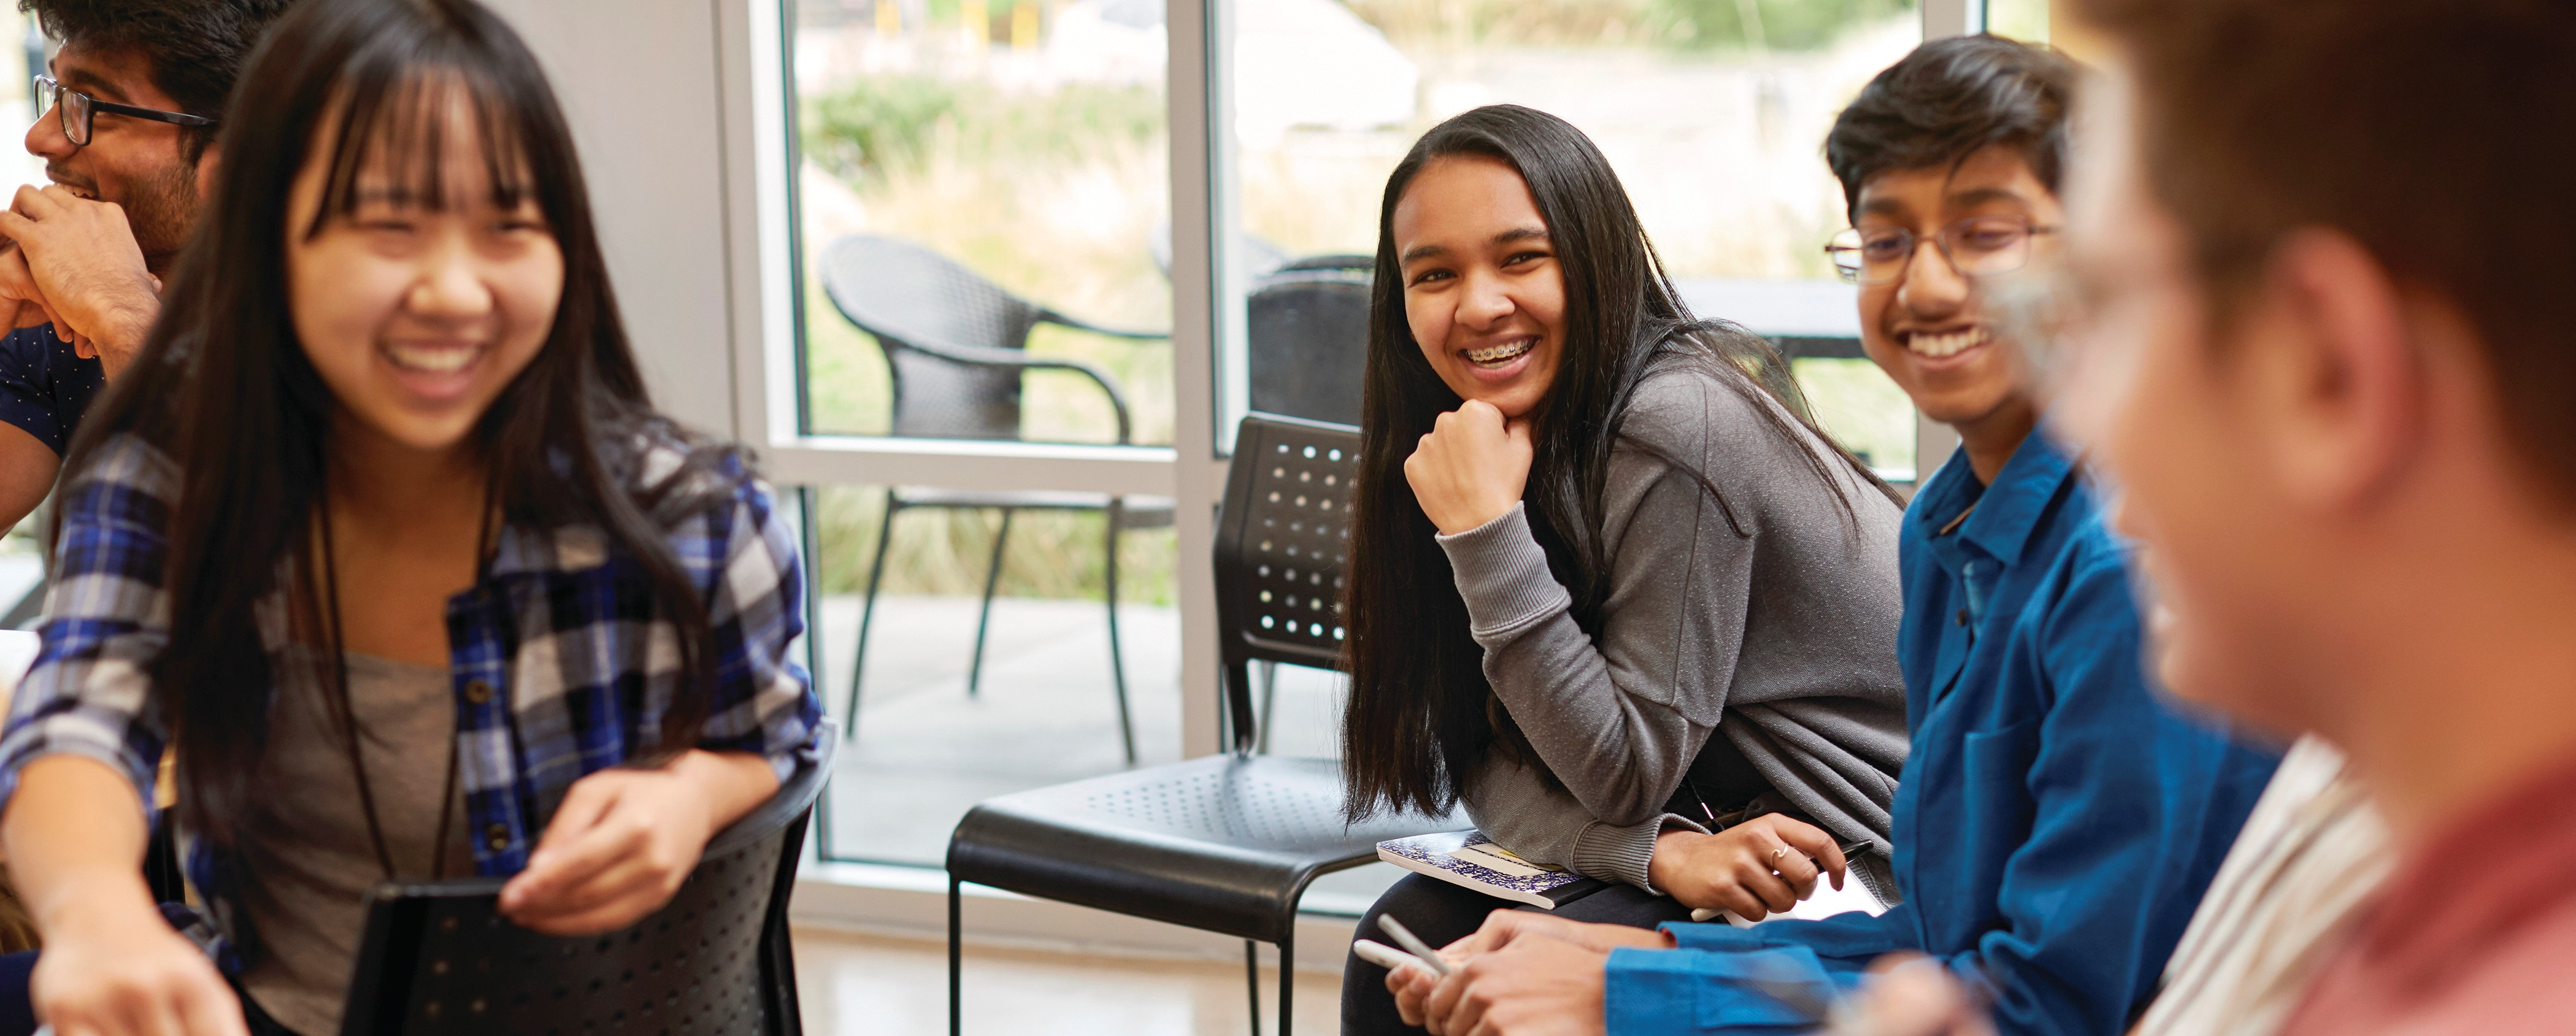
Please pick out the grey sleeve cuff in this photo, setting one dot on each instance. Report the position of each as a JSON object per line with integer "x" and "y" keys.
{"x": 1502, "y": 575}
{"x": 1612, "y": 852}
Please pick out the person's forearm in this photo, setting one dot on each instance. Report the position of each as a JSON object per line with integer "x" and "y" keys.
{"x": 1514, "y": 806}
{"x": 735, "y": 783}
{"x": 75, "y": 837}
{"x": 122, "y": 327}
{"x": 1620, "y": 749}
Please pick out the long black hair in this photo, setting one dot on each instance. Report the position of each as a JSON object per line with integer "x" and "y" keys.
{"x": 1421, "y": 714}
{"x": 224, "y": 390}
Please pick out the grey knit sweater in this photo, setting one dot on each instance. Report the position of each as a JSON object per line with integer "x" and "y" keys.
{"x": 1775, "y": 630}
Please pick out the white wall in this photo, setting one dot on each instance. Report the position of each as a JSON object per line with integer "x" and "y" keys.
{"x": 639, "y": 82}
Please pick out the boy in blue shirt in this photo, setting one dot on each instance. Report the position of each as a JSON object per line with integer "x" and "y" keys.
{"x": 2055, "y": 823}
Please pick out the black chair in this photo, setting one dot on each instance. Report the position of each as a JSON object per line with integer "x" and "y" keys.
{"x": 1817, "y": 347}
{"x": 1306, "y": 347}
{"x": 1227, "y": 843}
{"x": 1307, "y": 354}
{"x": 437, "y": 959}
{"x": 956, "y": 346}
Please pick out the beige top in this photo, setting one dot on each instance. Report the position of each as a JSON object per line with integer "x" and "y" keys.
{"x": 2310, "y": 854}
{"x": 308, "y": 850}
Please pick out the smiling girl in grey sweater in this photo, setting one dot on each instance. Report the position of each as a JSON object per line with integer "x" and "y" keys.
{"x": 1610, "y": 592}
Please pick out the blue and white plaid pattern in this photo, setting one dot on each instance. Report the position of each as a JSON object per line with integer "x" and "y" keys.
{"x": 559, "y": 667}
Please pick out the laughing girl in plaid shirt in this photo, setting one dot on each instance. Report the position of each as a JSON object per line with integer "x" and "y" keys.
{"x": 389, "y": 417}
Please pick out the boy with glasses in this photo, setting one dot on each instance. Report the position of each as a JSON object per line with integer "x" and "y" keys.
{"x": 130, "y": 105}
{"x": 2055, "y": 821}
{"x": 2336, "y": 396}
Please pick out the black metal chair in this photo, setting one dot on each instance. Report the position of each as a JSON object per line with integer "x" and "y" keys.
{"x": 1306, "y": 349}
{"x": 1307, "y": 354}
{"x": 1817, "y": 347}
{"x": 1226, "y": 843}
{"x": 956, "y": 346}
{"x": 437, "y": 959}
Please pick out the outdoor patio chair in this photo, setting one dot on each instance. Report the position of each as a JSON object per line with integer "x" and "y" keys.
{"x": 956, "y": 346}
{"x": 1307, "y": 346}
{"x": 437, "y": 959}
{"x": 1226, "y": 843}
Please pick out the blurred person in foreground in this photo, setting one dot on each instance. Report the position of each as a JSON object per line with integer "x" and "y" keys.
{"x": 2335, "y": 397}
{"x": 386, "y": 543}
{"x": 130, "y": 106}
{"x": 2055, "y": 821}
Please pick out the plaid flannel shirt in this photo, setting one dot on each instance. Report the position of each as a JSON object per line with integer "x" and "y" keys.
{"x": 559, "y": 667}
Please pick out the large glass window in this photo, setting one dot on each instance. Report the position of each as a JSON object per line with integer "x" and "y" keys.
{"x": 983, "y": 214}
{"x": 985, "y": 176}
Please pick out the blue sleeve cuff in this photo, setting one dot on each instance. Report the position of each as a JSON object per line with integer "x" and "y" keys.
{"x": 1694, "y": 991}
{"x": 1716, "y": 937}
{"x": 1853, "y": 939}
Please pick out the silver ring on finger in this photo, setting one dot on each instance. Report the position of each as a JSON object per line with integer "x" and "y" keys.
{"x": 1782, "y": 851}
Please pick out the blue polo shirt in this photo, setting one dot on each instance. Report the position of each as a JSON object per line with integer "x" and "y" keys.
{"x": 2056, "y": 822}
{"x": 44, "y": 386}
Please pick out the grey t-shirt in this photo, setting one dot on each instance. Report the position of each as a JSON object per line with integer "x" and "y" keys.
{"x": 307, "y": 845}
{"x": 1769, "y": 620}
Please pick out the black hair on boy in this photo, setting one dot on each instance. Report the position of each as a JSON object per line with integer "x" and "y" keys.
{"x": 1949, "y": 99}
{"x": 195, "y": 47}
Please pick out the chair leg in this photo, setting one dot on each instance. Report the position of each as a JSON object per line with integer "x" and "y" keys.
{"x": 1252, "y": 983}
{"x": 956, "y": 965}
{"x": 1117, "y": 661}
{"x": 1287, "y": 977}
{"x": 1269, "y": 698}
{"x": 867, "y": 618}
{"x": 984, "y": 619}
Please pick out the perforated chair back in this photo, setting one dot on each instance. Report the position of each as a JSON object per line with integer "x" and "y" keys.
{"x": 1283, "y": 536}
{"x": 437, "y": 959}
{"x": 1229, "y": 842}
{"x": 1307, "y": 343}
{"x": 926, "y": 311}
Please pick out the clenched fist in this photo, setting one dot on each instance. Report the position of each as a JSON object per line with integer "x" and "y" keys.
{"x": 1471, "y": 468}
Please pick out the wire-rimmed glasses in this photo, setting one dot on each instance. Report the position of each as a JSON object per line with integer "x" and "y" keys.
{"x": 78, "y": 110}
{"x": 1979, "y": 246}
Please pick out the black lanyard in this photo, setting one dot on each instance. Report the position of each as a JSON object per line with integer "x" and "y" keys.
{"x": 345, "y": 713}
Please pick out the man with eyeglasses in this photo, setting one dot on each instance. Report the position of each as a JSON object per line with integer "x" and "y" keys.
{"x": 128, "y": 113}
{"x": 2055, "y": 821}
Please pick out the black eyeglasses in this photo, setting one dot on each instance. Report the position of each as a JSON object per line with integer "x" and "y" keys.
{"x": 79, "y": 110}
{"x": 1978, "y": 246}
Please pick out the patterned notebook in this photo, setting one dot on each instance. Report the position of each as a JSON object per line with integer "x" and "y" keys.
{"x": 1470, "y": 859}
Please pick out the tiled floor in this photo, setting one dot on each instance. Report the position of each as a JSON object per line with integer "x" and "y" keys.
{"x": 870, "y": 985}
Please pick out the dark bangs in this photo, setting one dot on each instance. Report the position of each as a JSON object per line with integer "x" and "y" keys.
{"x": 389, "y": 136}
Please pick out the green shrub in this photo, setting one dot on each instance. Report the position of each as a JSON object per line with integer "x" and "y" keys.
{"x": 877, "y": 125}
{"x": 881, "y": 125}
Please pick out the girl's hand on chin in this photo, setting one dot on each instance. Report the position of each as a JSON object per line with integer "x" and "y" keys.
{"x": 1471, "y": 468}
{"x": 618, "y": 848}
